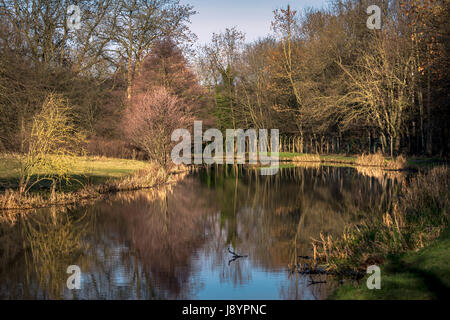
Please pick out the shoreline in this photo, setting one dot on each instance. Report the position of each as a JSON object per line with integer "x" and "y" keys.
{"x": 149, "y": 178}
{"x": 412, "y": 163}
{"x": 103, "y": 178}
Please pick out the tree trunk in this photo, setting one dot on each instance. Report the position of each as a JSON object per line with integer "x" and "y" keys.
{"x": 429, "y": 120}
{"x": 383, "y": 143}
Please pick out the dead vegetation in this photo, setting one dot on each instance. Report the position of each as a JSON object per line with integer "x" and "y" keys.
{"x": 313, "y": 157}
{"x": 378, "y": 160}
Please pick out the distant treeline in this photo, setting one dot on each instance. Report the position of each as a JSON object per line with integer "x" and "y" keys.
{"x": 323, "y": 78}
{"x": 93, "y": 68}
{"x": 331, "y": 84}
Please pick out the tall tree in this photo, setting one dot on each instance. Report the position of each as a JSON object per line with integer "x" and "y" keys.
{"x": 222, "y": 55}
{"x": 165, "y": 66}
{"x": 137, "y": 24}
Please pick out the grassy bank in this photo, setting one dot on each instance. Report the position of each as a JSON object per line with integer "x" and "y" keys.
{"x": 424, "y": 274}
{"x": 289, "y": 156}
{"x": 89, "y": 178}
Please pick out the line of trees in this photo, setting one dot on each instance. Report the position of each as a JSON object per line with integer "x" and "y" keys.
{"x": 94, "y": 67}
{"x": 331, "y": 84}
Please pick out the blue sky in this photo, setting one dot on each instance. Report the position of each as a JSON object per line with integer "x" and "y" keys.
{"x": 250, "y": 16}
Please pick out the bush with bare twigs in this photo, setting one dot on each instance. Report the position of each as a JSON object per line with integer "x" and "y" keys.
{"x": 150, "y": 120}
{"x": 49, "y": 145}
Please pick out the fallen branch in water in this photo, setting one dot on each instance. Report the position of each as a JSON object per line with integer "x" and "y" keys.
{"x": 235, "y": 256}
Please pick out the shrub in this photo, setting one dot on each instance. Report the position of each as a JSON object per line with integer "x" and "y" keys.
{"x": 313, "y": 157}
{"x": 150, "y": 120}
{"x": 51, "y": 142}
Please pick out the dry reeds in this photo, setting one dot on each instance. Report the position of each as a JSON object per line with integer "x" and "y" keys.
{"x": 313, "y": 157}
{"x": 378, "y": 160}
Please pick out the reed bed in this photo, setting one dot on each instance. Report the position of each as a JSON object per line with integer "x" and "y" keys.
{"x": 378, "y": 160}
{"x": 307, "y": 158}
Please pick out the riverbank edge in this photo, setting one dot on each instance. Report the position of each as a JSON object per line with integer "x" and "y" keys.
{"x": 412, "y": 163}
{"x": 150, "y": 178}
{"x": 417, "y": 275}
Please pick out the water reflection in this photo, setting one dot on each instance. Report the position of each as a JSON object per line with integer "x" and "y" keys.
{"x": 36, "y": 251}
{"x": 173, "y": 243}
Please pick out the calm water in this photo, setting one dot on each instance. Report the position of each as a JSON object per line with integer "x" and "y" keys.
{"x": 173, "y": 244}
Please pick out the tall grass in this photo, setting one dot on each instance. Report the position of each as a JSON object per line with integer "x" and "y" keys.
{"x": 417, "y": 218}
{"x": 378, "y": 160}
{"x": 306, "y": 157}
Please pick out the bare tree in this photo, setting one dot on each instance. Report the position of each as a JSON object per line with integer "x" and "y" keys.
{"x": 165, "y": 66}
{"x": 380, "y": 88}
{"x": 41, "y": 32}
{"x": 150, "y": 120}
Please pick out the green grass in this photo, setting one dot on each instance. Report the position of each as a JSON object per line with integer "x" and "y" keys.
{"x": 93, "y": 170}
{"x": 9, "y": 167}
{"x": 420, "y": 275}
{"x": 338, "y": 158}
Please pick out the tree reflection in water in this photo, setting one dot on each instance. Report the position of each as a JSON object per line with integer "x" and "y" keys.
{"x": 173, "y": 243}
{"x": 50, "y": 240}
